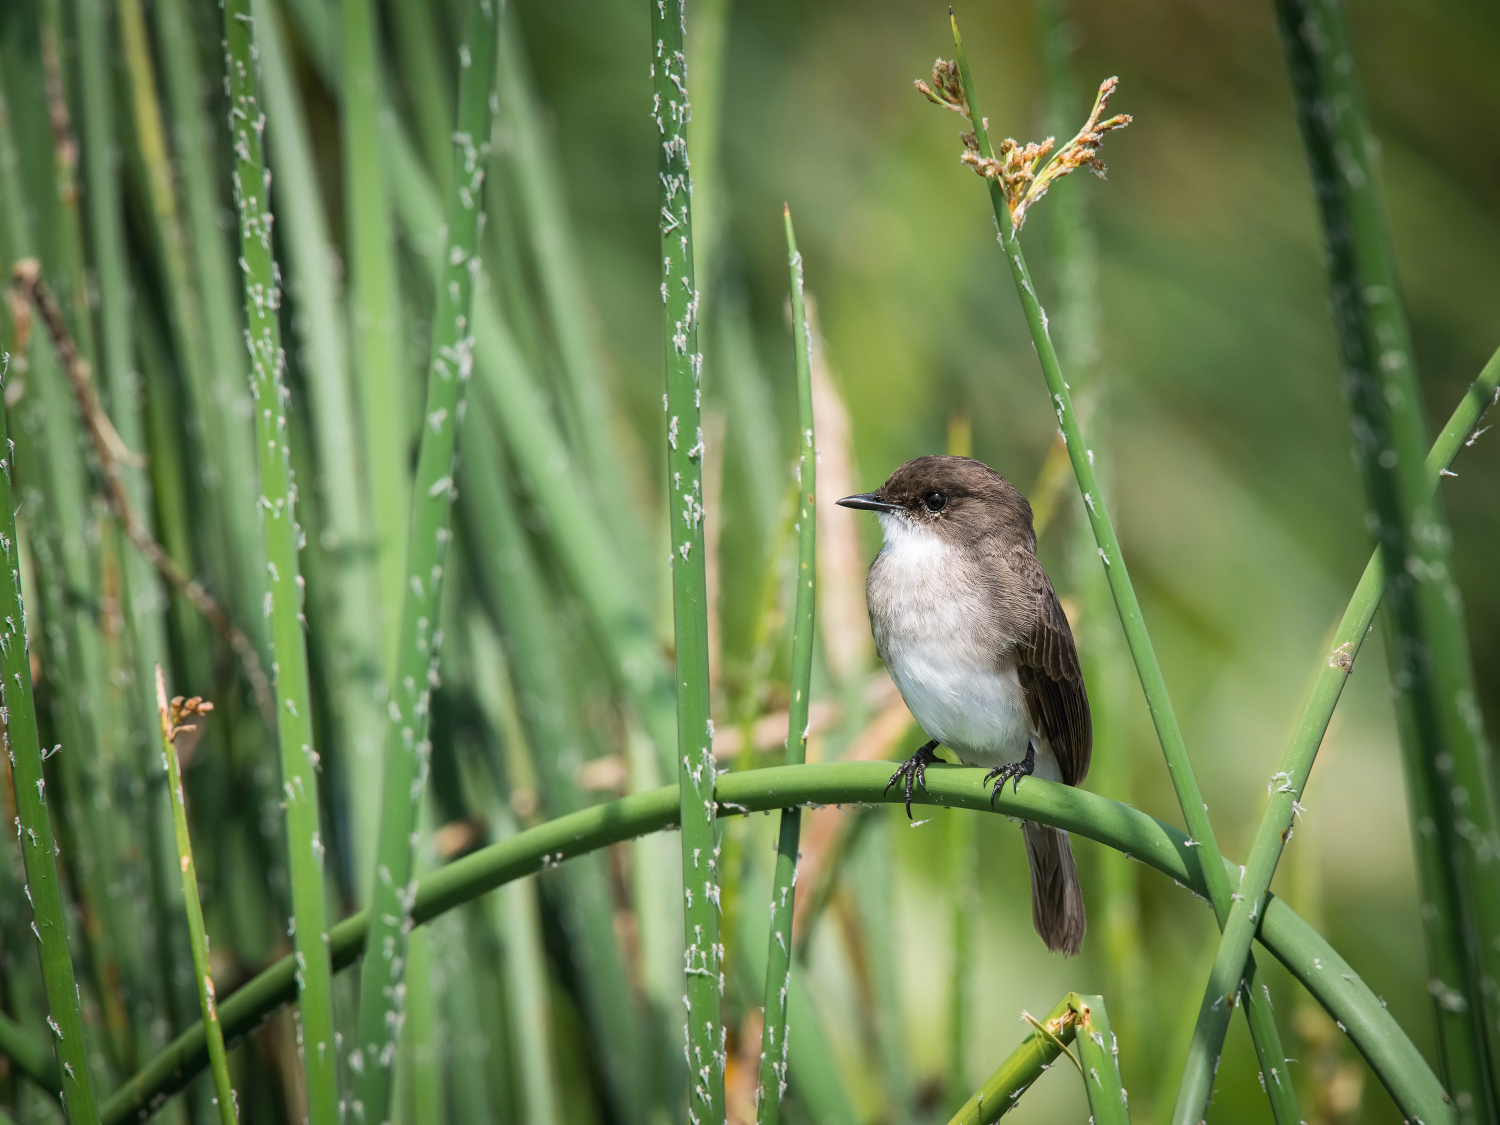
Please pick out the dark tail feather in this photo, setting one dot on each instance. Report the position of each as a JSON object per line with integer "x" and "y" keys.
{"x": 1056, "y": 899}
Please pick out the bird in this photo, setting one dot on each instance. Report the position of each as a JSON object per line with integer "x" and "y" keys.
{"x": 971, "y": 630}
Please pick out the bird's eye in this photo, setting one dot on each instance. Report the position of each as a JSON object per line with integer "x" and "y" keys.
{"x": 935, "y": 501}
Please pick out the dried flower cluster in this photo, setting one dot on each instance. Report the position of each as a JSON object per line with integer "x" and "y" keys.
{"x": 184, "y": 712}
{"x": 1024, "y": 172}
{"x": 947, "y": 89}
{"x": 185, "y": 717}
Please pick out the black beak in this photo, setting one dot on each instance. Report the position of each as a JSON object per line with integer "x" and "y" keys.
{"x": 870, "y": 502}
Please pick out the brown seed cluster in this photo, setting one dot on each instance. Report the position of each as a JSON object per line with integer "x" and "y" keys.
{"x": 947, "y": 89}
{"x": 1024, "y": 172}
{"x": 182, "y": 713}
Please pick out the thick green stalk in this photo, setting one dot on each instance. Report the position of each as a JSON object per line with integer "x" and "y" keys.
{"x": 704, "y": 1031}
{"x": 355, "y": 671}
{"x": 282, "y": 537}
{"x": 1099, "y": 1053}
{"x": 34, "y": 824}
{"x": 1448, "y": 767}
{"x": 218, "y": 1061}
{"x": 407, "y": 746}
{"x": 1306, "y": 953}
{"x": 205, "y": 300}
{"x": 773, "y": 1043}
{"x": 1153, "y": 683}
{"x": 1287, "y": 784}
{"x": 1079, "y": 1022}
{"x": 375, "y": 312}
{"x": 1021, "y": 1068}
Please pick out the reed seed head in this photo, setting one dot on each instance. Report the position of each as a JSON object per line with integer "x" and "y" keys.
{"x": 1024, "y": 172}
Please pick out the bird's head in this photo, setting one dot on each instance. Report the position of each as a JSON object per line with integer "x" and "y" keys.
{"x": 955, "y": 498}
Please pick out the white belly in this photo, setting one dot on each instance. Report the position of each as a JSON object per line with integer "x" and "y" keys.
{"x": 978, "y": 713}
{"x": 942, "y": 652}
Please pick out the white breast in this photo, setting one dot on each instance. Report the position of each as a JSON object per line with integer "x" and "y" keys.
{"x": 931, "y": 628}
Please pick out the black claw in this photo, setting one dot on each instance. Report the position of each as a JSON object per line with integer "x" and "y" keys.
{"x": 914, "y": 768}
{"x": 1012, "y": 770}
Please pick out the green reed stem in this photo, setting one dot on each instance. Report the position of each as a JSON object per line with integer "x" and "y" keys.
{"x": 141, "y": 592}
{"x": 77, "y": 651}
{"x": 28, "y": 1054}
{"x": 576, "y": 530}
{"x": 218, "y": 1061}
{"x": 1153, "y": 683}
{"x": 407, "y": 748}
{"x": 205, "y": 301}
{"x": 1306, "y": 953}
{"x": 574, "y": 525}
{"x": 34, "y": 823}
{"x": 356, "y": 668}
{"x": 282, "y": 540}
{"x": 375, "y": 313}
{"x": 1448, "y": 767}
{"x": 217, "y": 521}
{"x": 1099, "y": 1052}
{"x": 426, "y": 1075}
{"x": 510, "y": 583}
{"x": 1021, "y": 1068}
{"x": 585, "y": 393}
{"x": 1115, "y": 905}
{"x": 822, "y": 1093}
{"x": 1078, "y": 1025}
{"x": 414, "y": 36}
{"x": 704, "y": 1031}
{"x": 964, "y": 889}
{"x": 1288, "y": 783}
{"x": 517, "y": 920}
{"x": 144, "y": 601}
{"x": 773, "y": 1044}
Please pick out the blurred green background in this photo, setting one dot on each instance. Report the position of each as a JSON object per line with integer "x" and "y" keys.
{"x": 1204, "y": 357}
{"x": 1235, "y": 492}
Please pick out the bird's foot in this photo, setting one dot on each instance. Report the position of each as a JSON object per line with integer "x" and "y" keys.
{"x": 1016, "y": 770}
{"x": 915, "y": 769}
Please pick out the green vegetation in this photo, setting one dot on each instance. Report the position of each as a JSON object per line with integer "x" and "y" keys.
{"x": 774, "y": 1049}
{"x": 186, "y": 716}
{"x": 1079, "y": 1021}
{"x": 492, "y": 817}
{"x": 408, "y": 745}
{"x": 282, "y": 538}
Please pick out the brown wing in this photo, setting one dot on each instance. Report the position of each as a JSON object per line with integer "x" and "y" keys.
{"x": 1047, "y": 665}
